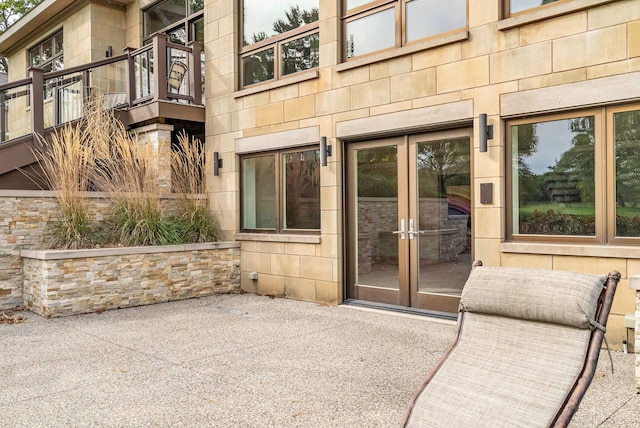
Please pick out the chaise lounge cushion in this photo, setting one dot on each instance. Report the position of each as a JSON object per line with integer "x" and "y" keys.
{"x": 557, "y": 297}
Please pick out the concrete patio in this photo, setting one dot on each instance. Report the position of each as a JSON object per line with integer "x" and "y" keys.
{"x": 242, "y": 361}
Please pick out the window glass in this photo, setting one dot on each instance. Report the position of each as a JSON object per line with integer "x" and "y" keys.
{"x": 198, "y": 30}
{"x": 553, "y": 177}
{"x": 35, "y": 56}
{"x": 300, "y": 54}
{"x": 179, "y": 36}
{"x": 263, "y": 19}
{"x": 355, "y": 3}
{"x": 195, "y": 6}
{"x": 258, "y": 67}
{"x": 370, "y": 33}
{"x": 426, "y": 18}
{"x": 626, "y": 140}
{"x": 163, "y": 14}
{"x": 259, "y": 193}
{"x": 301, "y": 189}
{"x": 516, "y": 6}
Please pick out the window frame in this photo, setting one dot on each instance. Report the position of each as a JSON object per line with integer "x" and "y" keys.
{"x": 275, "y": 42}
{"x": 52, "y": 37}
{"x": 186, "y": 23}
{"x": 599, "y": 179}
{"x": 400, "y": 6}
{"x": 506, "y": 8}
{"x": 280, "y": 184}
{"x": 604, "y": 178}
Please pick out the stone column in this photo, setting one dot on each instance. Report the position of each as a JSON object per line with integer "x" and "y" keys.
{"x": 158, "y": 136}
{"x": 634, "y": 283}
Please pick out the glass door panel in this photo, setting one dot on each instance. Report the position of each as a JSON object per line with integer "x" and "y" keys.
{"x": 441, "y": 225}
{"x": 378, "y": 241}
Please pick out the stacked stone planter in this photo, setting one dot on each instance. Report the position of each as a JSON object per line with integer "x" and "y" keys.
{"x": 67, "y": 282}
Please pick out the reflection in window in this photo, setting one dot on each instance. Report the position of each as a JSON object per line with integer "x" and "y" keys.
{"x": 259, "y": 193}
{"x": 296, "y": 205}
{"x": 426, "y": 18}
{"x": 626, "y": 140}
{"x": 372, "y": 26}
{"x": 49, "y": 54}
{"x": 300, "y": 54}
{"x": 553, "y": 177}
{"x": 291, "y": 51}
{"x": 516, "y": 6}
{"x": 163, "y": 14}
{"x": 181, "y": 20}
{"x": 361, "y": 40}
{"x": 258, "y": 67}
{"x": 302, "y": 190}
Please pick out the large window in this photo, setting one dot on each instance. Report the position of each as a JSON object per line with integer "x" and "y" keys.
{"x": 279, "y": 38}
{"x": 515, "y": 6}
{"x": 48, "y": 54}
{"x": 576, "y": 176}
{"x": 371, "y": 26}
{"x": 181, "y": 20}
{"x": 281, "y": 191}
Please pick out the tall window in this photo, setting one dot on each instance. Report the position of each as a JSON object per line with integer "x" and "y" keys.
{"x": 576, "y": 176}
{"x": 48, "y": 54}
{"x": 281, "y": 191}
{"x": 371, "y": 26}
{"x": 181, "y": 20}
{"x": 515, "y": 6}
{"x": 279, "y": 38}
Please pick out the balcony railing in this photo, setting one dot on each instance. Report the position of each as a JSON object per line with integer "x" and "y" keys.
{"x": 160, "y": 71}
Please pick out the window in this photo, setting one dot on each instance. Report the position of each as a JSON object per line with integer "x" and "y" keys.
{"x": 515, "y": 6}
{"x": 48, "y": 54}
{"x": 181, "y": 20}
{"x": 281, "y": 191}
{"x": 279, "y": 38}
{"x": 371, "y": 26}
{"x": 576, "y": 176}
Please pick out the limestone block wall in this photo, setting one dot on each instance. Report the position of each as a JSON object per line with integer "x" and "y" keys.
{"x": 634, "y": 284}
{"x": 68, "y": 282}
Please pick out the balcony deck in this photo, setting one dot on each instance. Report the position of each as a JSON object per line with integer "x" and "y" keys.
{"x": 160, "y": 81}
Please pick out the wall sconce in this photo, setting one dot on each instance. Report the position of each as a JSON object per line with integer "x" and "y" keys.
{"x": 217, "y": 164}
{"x": 325, "y": 151}
{"x": 486, "y": 132}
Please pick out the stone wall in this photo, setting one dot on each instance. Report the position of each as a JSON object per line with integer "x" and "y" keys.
{"x": 68, "y": 282}
{"x": 634, "y": 284}
{"x": 23, "y": 218}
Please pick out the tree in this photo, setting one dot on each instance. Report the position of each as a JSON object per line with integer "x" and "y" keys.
{"x": 10, "y": 12}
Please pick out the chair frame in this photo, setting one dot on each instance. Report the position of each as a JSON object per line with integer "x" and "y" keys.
{"x": 569, "y": 407}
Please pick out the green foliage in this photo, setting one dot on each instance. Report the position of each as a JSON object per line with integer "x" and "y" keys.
{"x": 10, "y": 12}
{"x": 73, "y": 230}
{"x": 551, "y": 222}
{"x": 141, "y": 222}
{"x": 197, "y": 225}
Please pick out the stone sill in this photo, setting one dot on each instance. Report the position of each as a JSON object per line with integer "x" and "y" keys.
{"x": 106, "y": 252}
{"x": 551, "y": 11}
{"x": 609, "y": 251}
{"x": 272, "y": 237}
{"x": 455, "y": 36}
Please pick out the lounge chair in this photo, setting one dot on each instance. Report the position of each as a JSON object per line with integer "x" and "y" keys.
{"x": 525, "y": 351}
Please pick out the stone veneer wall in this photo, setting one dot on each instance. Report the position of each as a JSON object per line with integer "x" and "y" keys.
{"x": 23, "y": 218}
{"x": 68, "y": 282}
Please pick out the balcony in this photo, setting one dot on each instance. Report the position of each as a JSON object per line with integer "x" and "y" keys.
{"x": 161, "y": 80}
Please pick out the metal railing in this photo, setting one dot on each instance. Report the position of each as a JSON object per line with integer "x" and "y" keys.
{"x": 160, "y": 71}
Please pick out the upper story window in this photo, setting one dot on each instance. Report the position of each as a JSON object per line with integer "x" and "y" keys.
{"x": 575, "y": 177}
{"x": 279, "y": 38}
{"x": 181, "y": 20}
{"x": 48, "y": 54}
{"x": 371, "y": 26}
{"x": 515, "y": 6}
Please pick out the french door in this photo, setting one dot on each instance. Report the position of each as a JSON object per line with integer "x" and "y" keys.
{"x": 409, "y": 220}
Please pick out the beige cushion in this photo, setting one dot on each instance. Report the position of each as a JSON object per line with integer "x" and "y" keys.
{"x": 559, "y": 297}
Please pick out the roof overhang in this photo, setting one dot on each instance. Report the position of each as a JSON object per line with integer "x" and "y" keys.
{"x": 37, "y": 17}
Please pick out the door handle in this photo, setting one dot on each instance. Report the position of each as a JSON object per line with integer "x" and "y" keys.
{"x": 401, "y": 231}
{"x": 413, "y": 233}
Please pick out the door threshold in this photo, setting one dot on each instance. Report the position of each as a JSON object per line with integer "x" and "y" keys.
{"x": 444, "y": 316}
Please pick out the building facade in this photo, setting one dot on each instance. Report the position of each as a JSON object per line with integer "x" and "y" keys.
{"x": 368, "y": 151}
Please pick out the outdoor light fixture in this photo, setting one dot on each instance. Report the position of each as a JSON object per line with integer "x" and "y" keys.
{"x": 486, "y": 132}
{"x": 325, "y": 151}
{"x": 217, "y": 164}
